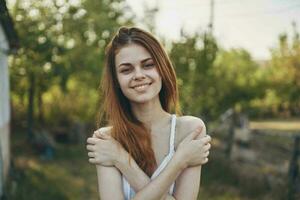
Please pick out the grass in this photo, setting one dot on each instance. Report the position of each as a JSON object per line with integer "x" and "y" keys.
{"x": 70, "y": 176}
{"x": 222, "y": 180}
{"x": 277, "y": 125}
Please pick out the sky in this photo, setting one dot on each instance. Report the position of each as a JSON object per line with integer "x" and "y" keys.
{"x": 250, "y": 24}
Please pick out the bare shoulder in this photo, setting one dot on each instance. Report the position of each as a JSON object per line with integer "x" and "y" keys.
{"x": 190, "y": 121}
{"x": 186, "y": 124}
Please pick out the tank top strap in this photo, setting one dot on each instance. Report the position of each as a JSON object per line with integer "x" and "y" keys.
{"x": 126, "y": 188}
{"x": 128, "y": 191}
{"x": 172, "y": 135}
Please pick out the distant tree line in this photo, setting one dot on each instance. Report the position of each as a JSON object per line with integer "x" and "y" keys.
{"x": 56, "y": 74}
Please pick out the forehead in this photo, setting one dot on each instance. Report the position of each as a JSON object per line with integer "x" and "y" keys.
{"x": 131, "y": 53}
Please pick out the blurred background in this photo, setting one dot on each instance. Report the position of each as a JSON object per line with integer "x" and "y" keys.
{"x": 238, "y": 68}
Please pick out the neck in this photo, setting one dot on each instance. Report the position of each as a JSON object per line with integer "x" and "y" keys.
{"x": 151, "y": 113}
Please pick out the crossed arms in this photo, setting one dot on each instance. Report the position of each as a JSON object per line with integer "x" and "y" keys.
{"x": 185, "y": 167}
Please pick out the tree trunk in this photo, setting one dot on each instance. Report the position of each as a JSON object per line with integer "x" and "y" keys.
{"x": 40, "y": 107}
{"x": 30, "y": 109}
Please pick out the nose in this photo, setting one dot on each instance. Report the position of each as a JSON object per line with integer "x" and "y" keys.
{"x": 138, "y": 74}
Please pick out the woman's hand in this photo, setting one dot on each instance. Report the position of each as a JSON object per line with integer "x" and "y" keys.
{"x": 104, "y": 150}
{"x": 194, "y": 151}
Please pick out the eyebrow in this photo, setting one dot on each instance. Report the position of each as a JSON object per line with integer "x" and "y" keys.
{"x": 144, "y": 60}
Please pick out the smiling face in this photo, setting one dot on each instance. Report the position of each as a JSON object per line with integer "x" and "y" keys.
{"x": 137, "y": 74}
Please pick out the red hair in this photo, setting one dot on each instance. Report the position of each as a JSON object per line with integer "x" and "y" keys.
{"x": 126, "y": 128}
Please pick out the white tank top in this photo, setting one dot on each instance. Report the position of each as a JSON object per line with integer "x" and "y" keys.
{"x": 129, "y": 193}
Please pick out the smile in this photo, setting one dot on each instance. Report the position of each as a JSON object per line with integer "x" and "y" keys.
{"x": 142, "y": 87}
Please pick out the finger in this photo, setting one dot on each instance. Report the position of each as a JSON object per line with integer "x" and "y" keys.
{"x": 92, "y": 140}
{"x": 206, "y": 139}
{"x": 97, "y": 133}
{"x": 105, "y": 136}
{"x": 92, "y": 160}
{"x": 194, "y": 134}
{"x": 199, "y": 129}
{"x": 205, "y": 160}
{"x": 90, "y": 147}
{"x": 101, "y": 135}
{"x": 206, "y": 154}
{"x": 91, "y": 154}
{"x": 207, "y": 147}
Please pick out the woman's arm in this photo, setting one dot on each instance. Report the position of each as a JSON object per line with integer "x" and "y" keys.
{"x": 146, "y": 188}
{"x": 142, "y": 183}
{"x": 111, "y": 156}
{"x": 109, "y": 183}
{"x": 187, "y": 183}
{"x": 136, "y": 177}
{"x": 156, "y": 188}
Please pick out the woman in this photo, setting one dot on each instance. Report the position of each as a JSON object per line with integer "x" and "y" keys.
{"x": 135, "y": 154}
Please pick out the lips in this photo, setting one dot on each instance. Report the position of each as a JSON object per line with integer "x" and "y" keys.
{"x": 141, "y": 87}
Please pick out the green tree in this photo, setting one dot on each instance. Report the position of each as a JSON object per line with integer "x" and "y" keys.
{"x": 237, "y": 80}
{"x": 193, "y": 59}
{"x": 62, "y": 46}
{"x": 284, "y": 74}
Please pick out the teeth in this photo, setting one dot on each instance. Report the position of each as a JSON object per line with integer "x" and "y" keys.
{"x": 141, "y": 87}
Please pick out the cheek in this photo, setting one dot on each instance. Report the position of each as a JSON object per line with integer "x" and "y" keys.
{"x": 122, "y": 80}
{"x": 123, "y": 84}
{"x": 158, "y": 81}
{"x": 157, "y": 77}
{"x": 154, "y": 74}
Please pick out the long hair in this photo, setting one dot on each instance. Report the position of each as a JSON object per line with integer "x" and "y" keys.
{"x": 126, "y": 128}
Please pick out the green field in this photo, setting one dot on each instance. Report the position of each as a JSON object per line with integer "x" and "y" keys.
{"x": 70, "y": 176}
{"x": 277, "y": 125}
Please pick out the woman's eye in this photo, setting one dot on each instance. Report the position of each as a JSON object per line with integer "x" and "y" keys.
{"x": 125, "y": 70}
{"x": 149, "y": 65}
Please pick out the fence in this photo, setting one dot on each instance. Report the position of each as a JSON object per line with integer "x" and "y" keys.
{"x": 1, "y": 174}
{"x": 278, "y": 152}
{"x": 4, "y": 113}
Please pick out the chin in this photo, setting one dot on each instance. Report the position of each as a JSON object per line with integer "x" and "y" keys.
{"x": 141, "y": 100}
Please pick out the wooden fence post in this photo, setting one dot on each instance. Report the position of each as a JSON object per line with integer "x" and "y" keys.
{"x": 230, "y": 137}
{"x": 293, "y": 173}
{"x": 1, "y": 174}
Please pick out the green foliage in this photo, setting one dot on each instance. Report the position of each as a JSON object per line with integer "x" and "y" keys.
{"x": 62, "y": 43}
{"x": 285, "y": 73}
{"x": 62, "y": 53}
{"x": 281, "y": 76}
{"x": 212, "y": 79}
{"x": 237, "y": 79}
{"x": 193, "y": 58}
